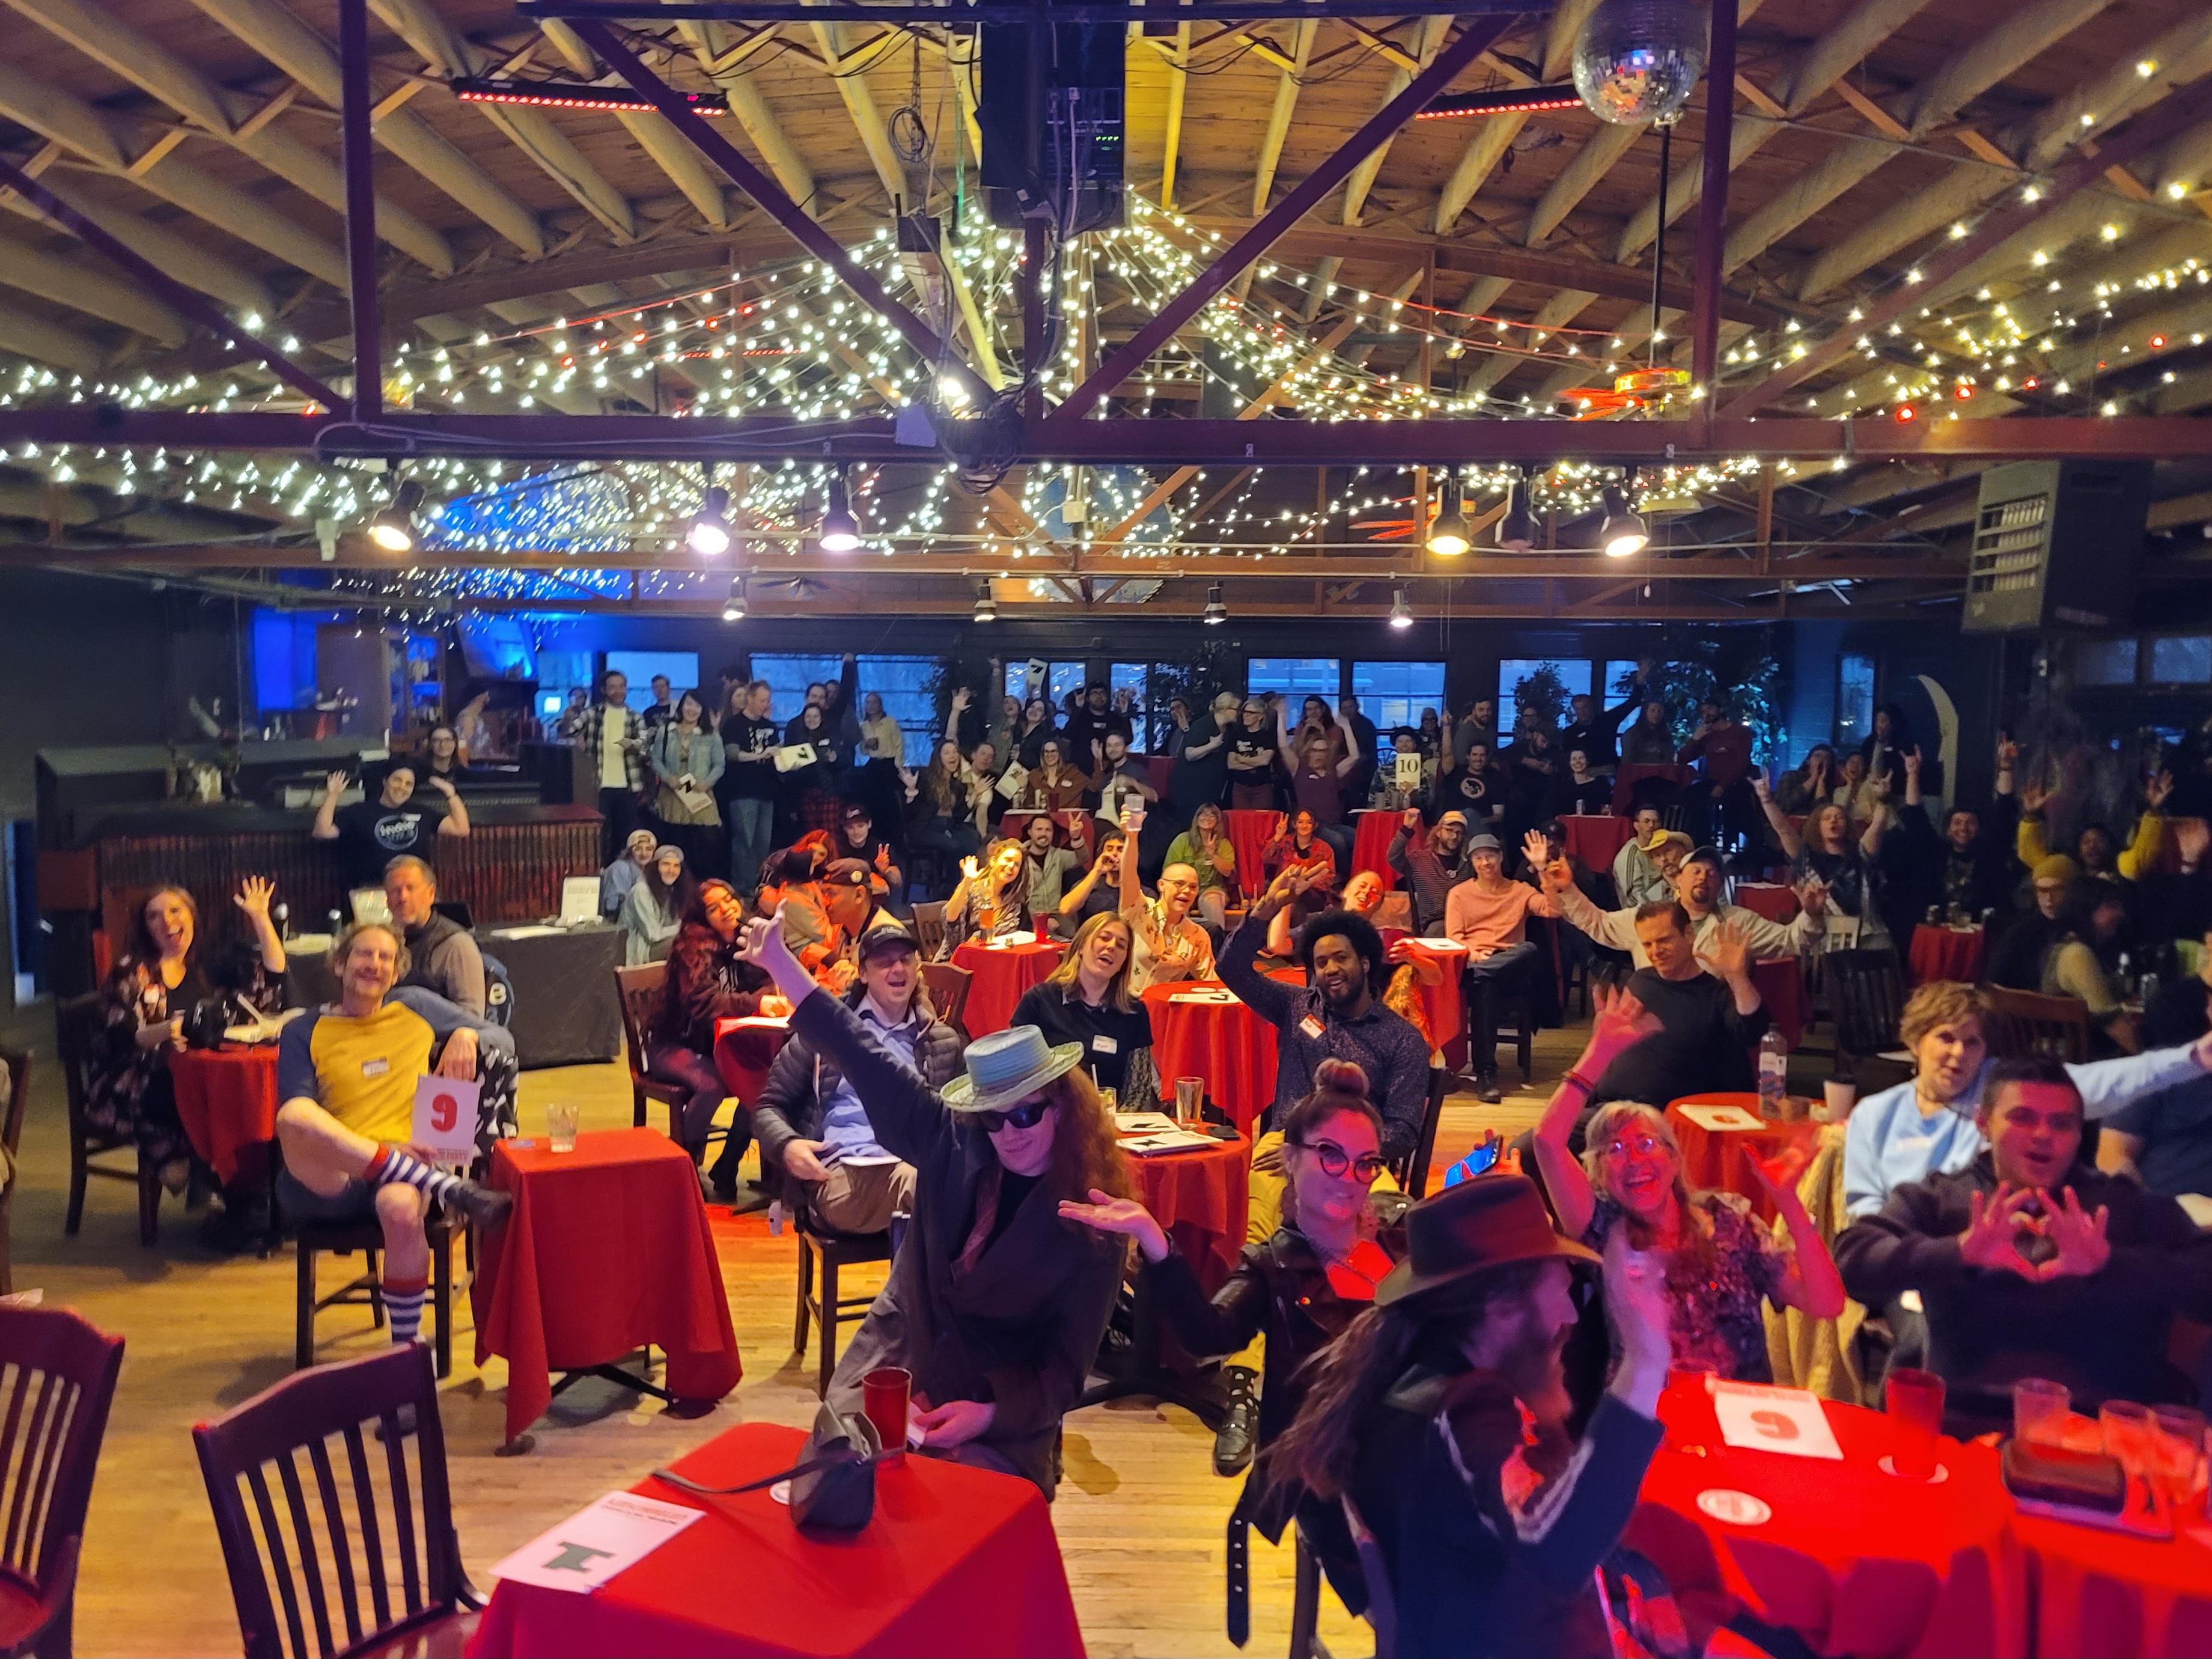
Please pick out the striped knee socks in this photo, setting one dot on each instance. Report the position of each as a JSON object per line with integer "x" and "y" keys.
{"x": 403, "y": 1303}
{"x": 391, "y": 1164}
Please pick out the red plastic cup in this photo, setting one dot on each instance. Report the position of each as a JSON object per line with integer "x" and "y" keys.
{"x": 1042, "y": 921}
{"x": 885, "y": 1393}
{"x": 1914, "y": 1400}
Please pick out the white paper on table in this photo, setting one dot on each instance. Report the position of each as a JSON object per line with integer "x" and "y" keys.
{"x": 579, "y": 899}
{"x": 1437, "y": 943}
{"x": 528, "y": 930}
{"x": 1144, "y": 1123}
{"x": 1215, "y": 997}
{"x": 1785, "y": 1420}
{"x": 446, "y": 1118}
{"x": 1171, "y": 1141}
{"x": 759, "y": 1022}
{"x": 1723, "y": 1117}
{"x": 596, "y": 1542}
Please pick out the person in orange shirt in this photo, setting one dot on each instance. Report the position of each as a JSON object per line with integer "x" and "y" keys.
{"x": 1489, "y": 914}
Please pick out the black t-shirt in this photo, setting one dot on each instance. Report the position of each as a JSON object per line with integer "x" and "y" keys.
{"x": 1109, "y": 1036}
{"x": 371, "y": 834}
{"x": 1589, "y": 799}
{"x": 1703, "y": 1046}
{"x": 743, "y": 735}
{"x": 1250, "y": 745}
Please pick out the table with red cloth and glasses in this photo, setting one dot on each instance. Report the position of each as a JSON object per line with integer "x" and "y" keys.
{"x": 1720, "y": 1159}
{"x": 954, "y": 1560}
{"x": 1372, "y": 832}
{"x": 1081, "y": 828}
{"x": 1769, "y": 899}
{"x": 1249, "y": 832}
{"x": 1943, "y": 952}
{"x": 743, "y": 1051}
{"x": 226, "y": 1098}
{"x": 1853, "y": 1559}
{"x": 1781, "y": 982}
{"x": 1441, "y": 1003}
{"x": 1595, "y": 838}
{"x": 606, "y": 1250}
{"x": 997, "y": 976}
{"x": 1626, "y": 777}
{"x": 1215, "y": 1037}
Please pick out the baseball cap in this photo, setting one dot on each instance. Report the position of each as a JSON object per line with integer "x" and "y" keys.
{"x": 1711, "y": 855}
{"x": 1454, "y": 816}
{"x": 885, "y": 936}
{"x": 1485, "y": 843}
{"x": 856, "y": 813}
{"x": 844, "y": 872}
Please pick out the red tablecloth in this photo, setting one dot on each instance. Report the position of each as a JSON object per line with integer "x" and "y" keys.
{"x": 1595, "y": 839}
{"x": 1248, "y": 835}
{"x": 1370, "y": 844}
{"x": 1721, "y": 1158}
{"x": 1944, "y": 953}
{"x": 1625, "y": 778}
{"x": 1781, "y": 984}
{"x": 955, "y": 1561}
{"x": 1769, "y": 899}
{"x": 1200, "y": 1198}
{"x": 1081, "y": 828}
{"x": 1224, "y": 1042}
{"x": 998, "y": 976}
{"x": 743, "y": 1054}
{"x": 227, "y": 1100}
{"x": 1854, "y": 1560}
{"x": 607, "y": 1249}
{"x": 1441, "y": 1002}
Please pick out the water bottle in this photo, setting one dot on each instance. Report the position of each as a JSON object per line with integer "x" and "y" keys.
{"x": 282, "y": 916}
{"x": 1773, "y": 1075}
{"x": 2126, "y": 974}
{"x": 2147, "y": 990}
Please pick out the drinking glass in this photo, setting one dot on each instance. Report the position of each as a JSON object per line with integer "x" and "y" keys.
{"x": 1042, "y": 922}
{"x": 884, "y": 1395}
{"x": 561, "y": 1120}
{"x": 2178, "y": 1438}
{"x": 1840, "y": 1094}
{"x": 1914, "y": 1400}
{"x": 1190, "y": 1097}
{"x": 2039, "y": 1410}
{"x": 2126, "y": 1428}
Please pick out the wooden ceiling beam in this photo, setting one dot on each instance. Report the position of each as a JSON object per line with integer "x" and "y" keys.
{"x": 680, "y": 163}
{"x": 1430, "y": 38}
{"x": 1494, "y": 135}
{"x": 1279, "y": 117}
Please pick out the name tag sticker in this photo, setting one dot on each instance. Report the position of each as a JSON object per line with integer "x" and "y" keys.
{"x": 1311, "y": 1027}
{"x": 1103, "y": 1044}
{"x": 374, "y": 1067}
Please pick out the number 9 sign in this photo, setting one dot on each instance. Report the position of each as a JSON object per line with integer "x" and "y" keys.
{"x": 445, "y": 1118}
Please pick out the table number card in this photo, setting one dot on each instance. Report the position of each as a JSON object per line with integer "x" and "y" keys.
{"x": 1785, "y": 1420}
{"x": 579, "y": 900}
{"x": 1720, "y": 1118}
{"x": 593, "y": 1545}
{"x": 446, "y": 1118}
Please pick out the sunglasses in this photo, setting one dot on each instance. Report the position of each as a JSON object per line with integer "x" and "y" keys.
{"x": 1643, "y": 1145}
{"x": 1335, "y": 1160}
{"x": 1027, "y": 1115}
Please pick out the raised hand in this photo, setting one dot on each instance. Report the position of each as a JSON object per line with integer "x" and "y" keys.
{"x": 970, "y": 869}
{"x": 761, "y": 943}
{"x": 1780, "y": 1174}
{"x": 2080, "y": 1236}
{"x": 1912, "y": 764}
{"x": 1813, "y": 896}
{"x": 1558, "y": 876}
{"x": 2156, "y": 791}
{"x": 1759, "y": 787}
{"x": 1618, "y": 1020}
{"x": 1883, "y": 784}
{"x": 335, "y": 785}
{"x": 2032, "y": 795}
{"x": 253, "y": 896}
{"x": 1730, "y": 954}
{"x": 961, "y": 698}
{"x": 1412, "y": 820}
{"x": 1536, "y": 849}
{"x": 2192, "y": 838}
{"x": 1635, "y": 1285}
{"x": 1125, "y": 1216}
{"x": 1991, "y": 1240}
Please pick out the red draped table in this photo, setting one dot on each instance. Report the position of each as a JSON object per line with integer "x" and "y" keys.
{"x": 998, "y": 974}
{"x": 955, "y": 1561}
{"x": 1854, "y": 1560}
{"x": 1218, "y": 1039}
{"x": 744, "y": 1049}
{"x": 1370, "y": 844}
{"x": 1595, "y": 839}
{"x": 1249, "y": 832}
{"x": 1442, "y": 1004}
{"x": 607, "y": 1249}
{"x": 1944, "y": 953}
{"x": 1721, "y": 1158}
{"x": 226, "y": 1098}
{"x": 1769, "y": 899}
{"x": 1198, "y": 1198}
{"x": 1781, "y": 982}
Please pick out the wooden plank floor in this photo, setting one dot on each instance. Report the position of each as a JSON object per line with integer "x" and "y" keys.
{"x": 1140, "y": 1515}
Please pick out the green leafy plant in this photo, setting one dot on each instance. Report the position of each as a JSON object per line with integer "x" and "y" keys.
{"x": 1737, "y": 666}
{"x": 1540, "y": 696}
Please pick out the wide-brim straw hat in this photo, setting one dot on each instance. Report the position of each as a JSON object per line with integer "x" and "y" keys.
{"x": 1008, "y": 1065}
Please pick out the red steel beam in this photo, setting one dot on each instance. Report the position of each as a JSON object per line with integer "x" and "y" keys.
{"x": 780, "y": 207}
{"x": 354, "y": 118}
{"x": 1712, "y": 202}
{"x": 2139, "y": 134}
{"x": 1473, "y": 40}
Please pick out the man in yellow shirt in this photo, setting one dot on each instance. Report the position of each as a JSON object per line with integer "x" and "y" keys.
{"x": 346, "y": 1074}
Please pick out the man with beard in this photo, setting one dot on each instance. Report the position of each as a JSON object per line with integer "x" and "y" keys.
{"x": 1431, "y": 864}
{"x": 1698, "y": 887}
{"x": 1417, "y": 1419}
{"x": 2031, "y": 1263}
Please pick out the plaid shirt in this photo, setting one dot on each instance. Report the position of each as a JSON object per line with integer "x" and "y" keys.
{"x": 588, "y": 738}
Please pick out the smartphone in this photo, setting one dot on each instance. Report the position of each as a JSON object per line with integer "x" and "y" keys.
{"x": 1480, "y": 1161}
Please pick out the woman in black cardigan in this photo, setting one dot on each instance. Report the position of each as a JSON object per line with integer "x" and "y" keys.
{"x": 996, "y": 1303}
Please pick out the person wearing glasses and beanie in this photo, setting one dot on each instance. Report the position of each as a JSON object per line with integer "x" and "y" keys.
{"x": 995, "y": 1302}
{"x": 1439, "y": 1420}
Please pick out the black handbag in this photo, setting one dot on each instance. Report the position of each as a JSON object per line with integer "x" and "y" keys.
{"x": 833, "y": 1485}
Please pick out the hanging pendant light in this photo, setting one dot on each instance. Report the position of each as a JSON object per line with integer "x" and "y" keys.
{"x": 1402, "y": 614}
{"x": 1448, "y": 536}
{"x": 708, "y": 536}
{"x": 840, "y": 531}
{"x": 1518, "y": 528}
{"x": 734, "y": 607}
{"x": 1216, "y": 613}
{"x": 1624, "y": 534}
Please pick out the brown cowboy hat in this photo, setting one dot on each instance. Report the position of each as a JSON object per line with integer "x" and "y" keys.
{"x": 1490, "y": 1222}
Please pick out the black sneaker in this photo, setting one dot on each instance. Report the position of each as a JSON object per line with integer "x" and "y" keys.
{"x": 1240, "y": 1426}
{"x": 485, "y": 1207}
{"x": 1486, "y": 1089}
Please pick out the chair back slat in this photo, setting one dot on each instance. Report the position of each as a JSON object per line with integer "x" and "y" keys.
{"x": 638, "y": 990}
{"x": 929, "y": 929}
{"x": 18, "y": 1065}
{"x": 2028, "y": 1022}
{"x": 34, "y": 1469}
{"x": 948, "y": 991}
{"x": 63, "y": 1383}
{"x": 372, "y": 1513}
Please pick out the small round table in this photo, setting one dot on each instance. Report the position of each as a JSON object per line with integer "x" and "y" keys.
{"x": 1370, "y": 844}
{"x": 1200, "y": 1198}
{"x": 1769, "y": 899}
{"x": 1941, "y": 952}
{"x": 1249, "y": 832}
{"x": 227, "y": 1099}
{"x": 744, "y": 1049}
{"x": 997, "y": 975}
{"x": 1200, "y": 1030}
{"x": 1720, "y": 1159}
{"x": 1780, "y": 983}
{"x": 1596, "y": 839}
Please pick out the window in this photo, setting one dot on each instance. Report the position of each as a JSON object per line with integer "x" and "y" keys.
{"x": 1151, "y": 687}
{"x": 788, "y": 678}
{"x": 1061, "y": 678}
{"x": 1854, "y": 700}
{"x": 1296, "y": 678}
{"x": 904, "y": 684}
{"x": 1393, "y": 694}
{"x": 1573, "y": 674}
{"x": 2105, "y": 662}
{"x": 1620, "y": 680}
{"x": 2186, "y": 660}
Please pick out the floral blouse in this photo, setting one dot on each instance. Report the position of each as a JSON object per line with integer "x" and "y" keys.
{"x": 1717, "y": 1316}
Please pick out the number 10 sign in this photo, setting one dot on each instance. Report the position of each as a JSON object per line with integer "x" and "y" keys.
{"x": 446, "y": 1118}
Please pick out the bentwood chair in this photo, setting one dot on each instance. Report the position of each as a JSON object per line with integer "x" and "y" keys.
{"x": 61, "y": 1380}
{"x": 365, "y": 1290}
{"x": 2027, "y": 1022}
{"x": 76, "y": 1031}
{"x": 1410, "y": 1171}
{"x": 825, "y": 1249}
{"x": 1867, "y": 991}
{"x": 15, "y": 1070}
{"x": 638, "y": 990}
{"x": 303, "y": 1517}
{"x": 948, "y": 991}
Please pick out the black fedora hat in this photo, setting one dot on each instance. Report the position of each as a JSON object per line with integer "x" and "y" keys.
{"x": 1490, "y": 1222}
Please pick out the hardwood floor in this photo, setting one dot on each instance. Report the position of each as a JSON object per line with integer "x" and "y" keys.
{"x": 1140, "y": 1515}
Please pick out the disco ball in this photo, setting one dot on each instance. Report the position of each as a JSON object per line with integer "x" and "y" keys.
{"x": 1636, "y": 61}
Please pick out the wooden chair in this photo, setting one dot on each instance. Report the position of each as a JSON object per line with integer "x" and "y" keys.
{"x": 16, "y": 1065}
{"x": 76, "y": 1031}
{"x": 1410, "y": 1171}
{"x": 637, "y": 990}
{"x": 1516, "y": 1024}
{"x": 366, "y": 1290}
{"x": 2027, "y": 1022}
{"x": 929, "y": 930}
{"x": 828, "y": 1310}
{"x": 395, "y": 1536}
{"x": 1866, "y": 991}
{"x": 55, "y": 1416}
{"x": 948, "y": 991}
